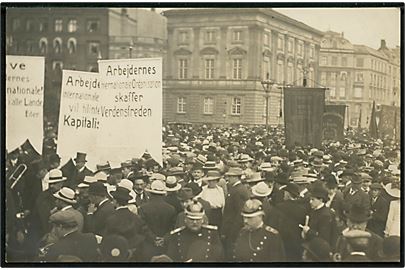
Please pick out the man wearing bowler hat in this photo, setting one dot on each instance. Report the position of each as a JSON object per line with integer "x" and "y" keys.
{"x": 357, "y": 219}
{"x": 353, "y": 194}
{"x": 75, "y": 170}
{"x": 101, "y": 208}
{"x": 195, "y": 242}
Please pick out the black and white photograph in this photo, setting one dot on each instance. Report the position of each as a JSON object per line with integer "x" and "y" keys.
{"x": 151, "y": 134}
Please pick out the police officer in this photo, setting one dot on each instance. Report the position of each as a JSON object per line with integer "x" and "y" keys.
{"x": 195, "y": 242}
{"x": 257, "y": 242}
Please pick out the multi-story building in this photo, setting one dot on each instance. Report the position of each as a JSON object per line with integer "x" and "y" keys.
{"x": 75, "y": 38}
{"x": 357, "y": 75}
{"x": 217, "y": 58}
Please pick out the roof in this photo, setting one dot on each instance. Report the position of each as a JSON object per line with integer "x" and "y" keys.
{"x": 367, "y": 50}
{"x": 266, "y": 11}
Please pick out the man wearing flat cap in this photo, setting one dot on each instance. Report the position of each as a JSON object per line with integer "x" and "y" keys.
{"x": 195, "y": 242}
{"x": 70, "y": 240}
{"x": 65, "y": 200}
{"x": 75, "y": 170}
{"x": 257, "y": 242}
{"x": 379, "y": 210}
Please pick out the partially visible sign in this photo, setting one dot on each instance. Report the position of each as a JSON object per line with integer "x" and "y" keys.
{"x": 131, "y": 110}
{"x": 25, "y": 101}
{"x": 79, "y": 115}
{"x": 333, "y": 122}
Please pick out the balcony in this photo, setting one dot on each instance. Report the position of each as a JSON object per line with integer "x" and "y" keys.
{"x": 212, "y": 84}
{"x": 134, "y": 40}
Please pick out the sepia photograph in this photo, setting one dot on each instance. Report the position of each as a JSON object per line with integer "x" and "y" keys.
{"x": 187, "y": 134}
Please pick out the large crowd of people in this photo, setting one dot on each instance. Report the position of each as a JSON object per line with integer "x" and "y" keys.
{"x": 222, "y": 195}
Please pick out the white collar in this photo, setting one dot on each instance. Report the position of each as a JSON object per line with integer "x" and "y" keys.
{"x": 66, "y": 208}
{"x": 238, "y": 182}
{"x": 358, "y": 253}
{"x": 320, "y": 206}
{"x": 121, "y": 207}
{"x": 103, "y": 201}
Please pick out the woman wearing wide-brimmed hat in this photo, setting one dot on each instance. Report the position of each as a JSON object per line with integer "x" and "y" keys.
{"x": 393, "y": 225}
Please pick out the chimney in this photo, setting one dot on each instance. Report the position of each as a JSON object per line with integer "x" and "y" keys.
{"x": 124, "y": 12}
{"x": 383, "y": 45}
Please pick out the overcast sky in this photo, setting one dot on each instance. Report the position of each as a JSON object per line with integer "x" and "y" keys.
{"x": 364, "y": 26}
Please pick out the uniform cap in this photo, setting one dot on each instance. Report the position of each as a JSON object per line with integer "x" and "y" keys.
{"x": 252, "y": 208}
{"x": 194, "y": 210}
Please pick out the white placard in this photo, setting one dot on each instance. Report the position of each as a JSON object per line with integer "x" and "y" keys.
{"x": 132, "y": 108}
{"x": 79, "y": 116}
{"x": 25, "y": 101}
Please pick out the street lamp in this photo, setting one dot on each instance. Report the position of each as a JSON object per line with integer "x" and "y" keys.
{"x": 266, "y": 87}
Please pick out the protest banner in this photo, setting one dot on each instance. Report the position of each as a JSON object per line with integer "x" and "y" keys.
{"x": 25, "y": 100}
{"x": 131, "y": 111}
{"x": 79, "y": 116}
{"x": 303, "y": 109}
{"x": 333, "y": 122}
{"x": 389, "y": 121}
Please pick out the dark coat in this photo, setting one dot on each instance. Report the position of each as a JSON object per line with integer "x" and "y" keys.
{"x": 337, "y": 204}
{"x": 74, "y": 177}
{"x": 159, "y": 216}
{"x": 320, "y": 224}
{"x": 203, "y": 246}
{"x": 97, "y": 221}
{"x": 360, "y": 198}
{"x": 43, "y": 206}
{"x": 379, "y": 215}
{"x": 172, "y": 199}
{"x": 141, "y": 199}
{"x": 261, "y": 245}
{"x": 83, "y": 246}
{"x": 232, "y": 221}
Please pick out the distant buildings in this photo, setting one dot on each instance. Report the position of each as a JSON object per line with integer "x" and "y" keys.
{"x": 217, "y": 58}
{"x": 357, "y": 75}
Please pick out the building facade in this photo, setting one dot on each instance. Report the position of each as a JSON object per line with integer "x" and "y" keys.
{"x": 217, "y": 58}
{"x": 357, "y": 75}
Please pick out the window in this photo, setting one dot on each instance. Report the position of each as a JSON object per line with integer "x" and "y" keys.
{"x": 210, "y": 36}
{"x": 266, "y": 68}
{"x": 299, "y": 75}
{"x": 266, "y": 39}
{"x": 209, "y": 68}
{"x": 30, "y": 26}
{"x": 57, "y": 45}
{"x": 323, "y": 78}
{"x": 344, "y": 61}
{"x": 333, "y": 78}
{"x": 290, "y": 75}
{"x": 312, "y": 51}
{"x": 93, "y": 26}
{"x": 58, "y": 25}
{"x": 236, "y": 106}
{"x": 208, "y": 105}
{"x": 16, "y": 24}
{"x": 43, "y": 45}
{"x": 94, "y": 48}
{"x": 359, "y": 62}
{"x": 372, "y": 64}
{"x": 311, "y": 76}
{"x": 181, "y": 105}
{"x": 237, "y": 35}
{"x": 342, "y": 92}
{"x": 183, "y": 37}
{"x": 43, "y": 26}
{"x": 358, "y": 92}
{"x": 72, "y": 26}
{"x": 237, "y": 69}
{"x": 359, "y": 77}
{"x": 71, "y": 45}
{"x": 183, "y": 68}
{"x": 332, "y": 91}
{"x": 30, "y": 46}
{"x": 334, "y": 61}
{"x": 280, "y": 43}
{"x": 324, "y": 60}
{"x": 290, "y": 46}
{"x": 300, "y": 49}
{"x": 280, "y": 71}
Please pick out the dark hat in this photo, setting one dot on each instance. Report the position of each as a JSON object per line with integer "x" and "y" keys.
{"x": 54, "y": 158}
{"x": 114, "y": 248}
{"x": 319, "y": 249}
{"x": 103, "y": 167}
{"x": 330, "y": 181}
{"x": 196, "y": 189}
{"x": 65, "y": 218}
{"x": 121, "y": 194}
{"x": 80, "y": 157}
{"x": 376, "y": 186}
{"x": 97, "y": 188}
{"x": 185, "y": 194}
{"x": 233, "y": 163}
{"x": 358, "y": 214}
{"x": 292, "y": 188}
{"x": 126, "y": 164}
{"x": 175, "y": 171}
{"x": 189, "y": 160}
{"x": 173, "y": 161}
{"x": 318, "y": 191}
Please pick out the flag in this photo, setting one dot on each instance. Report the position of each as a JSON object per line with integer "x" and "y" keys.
{"x": 373, "y": 123}
{"x": 333, "y": 122}
{"x": 303, "y": 111}
{"x": 359, "y": 122}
